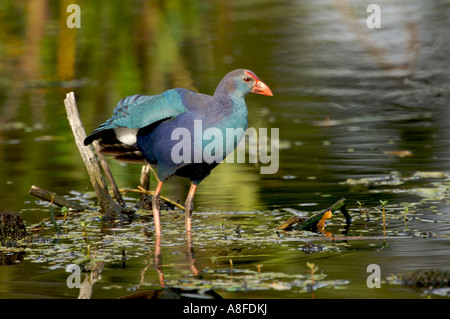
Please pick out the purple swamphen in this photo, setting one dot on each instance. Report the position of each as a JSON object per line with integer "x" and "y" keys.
{"x": 146, "y": 126}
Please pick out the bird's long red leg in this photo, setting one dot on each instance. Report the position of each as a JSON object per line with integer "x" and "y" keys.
{"x": 155, "y": 208}
{"x": 157, "y": 261}
{"x": 188, "y": 208}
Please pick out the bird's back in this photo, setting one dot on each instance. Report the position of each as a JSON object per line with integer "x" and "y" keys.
{"x": 138, "y": 111}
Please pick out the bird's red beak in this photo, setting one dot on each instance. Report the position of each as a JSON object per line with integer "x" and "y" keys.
{"x": 260, "y": 87}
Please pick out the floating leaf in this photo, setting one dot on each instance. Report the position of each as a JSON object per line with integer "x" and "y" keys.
{"x": 399, "y": 153}
{"x": 321, "y": 223}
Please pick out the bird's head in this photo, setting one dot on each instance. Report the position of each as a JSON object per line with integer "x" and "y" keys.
{"x": 244, "y": 81}
{"x": 255, "y": 84}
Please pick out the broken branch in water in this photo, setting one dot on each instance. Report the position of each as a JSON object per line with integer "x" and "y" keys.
{"x": 108, "y": 173}
{"x": 145, "y": 180}
{"x": 55, "y": 198}
{"x": 108, "y": 205}
{"x": 301, "y": 223}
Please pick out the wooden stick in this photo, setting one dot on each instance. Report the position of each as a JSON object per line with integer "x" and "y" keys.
{"x": 144, "y": 191}
{"x": 57, "y": 199}
{"x": 109, "y": 175}
{"x": 145, "y": 181}
{"x": 110, "y": 208}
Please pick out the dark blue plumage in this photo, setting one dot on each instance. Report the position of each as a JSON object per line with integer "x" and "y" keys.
{"x": 147, "y": 123}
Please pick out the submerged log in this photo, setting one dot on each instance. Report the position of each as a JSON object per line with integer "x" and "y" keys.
{"x": 55, "y": 198}
{"x": 301, "y": 223}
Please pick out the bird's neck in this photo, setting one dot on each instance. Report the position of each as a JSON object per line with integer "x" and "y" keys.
{"x": 229, "y": 97}
{"x": 231, "y": 104}
{"x": 233, "y": 111}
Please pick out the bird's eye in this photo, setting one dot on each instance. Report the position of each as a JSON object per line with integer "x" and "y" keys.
{"x": 247, "y": 79}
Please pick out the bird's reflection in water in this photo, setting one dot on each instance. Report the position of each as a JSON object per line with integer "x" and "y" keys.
{"x": 172, "y": 292}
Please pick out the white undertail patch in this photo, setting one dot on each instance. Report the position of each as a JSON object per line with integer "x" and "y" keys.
{"x": 126, "y": 135}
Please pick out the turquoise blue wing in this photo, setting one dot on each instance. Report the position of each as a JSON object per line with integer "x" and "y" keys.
{"x": 138, "y": 111}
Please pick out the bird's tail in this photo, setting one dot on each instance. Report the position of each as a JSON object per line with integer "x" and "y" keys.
{"x": 122, "y": 152}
